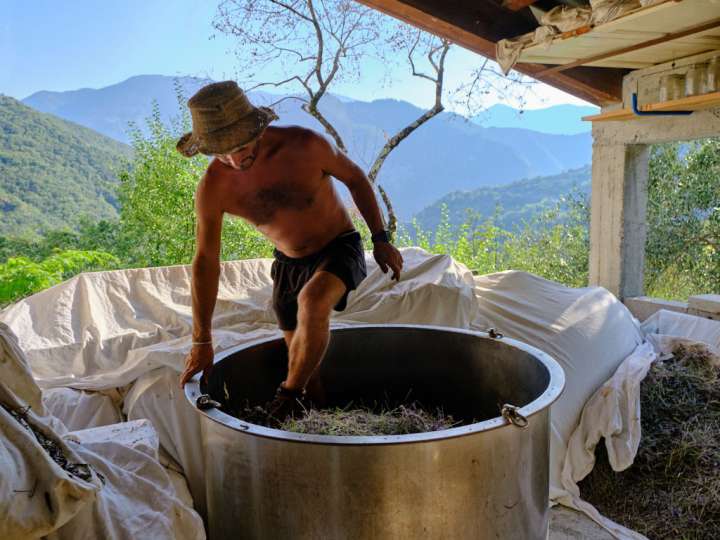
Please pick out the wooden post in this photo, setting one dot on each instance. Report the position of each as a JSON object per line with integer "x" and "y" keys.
{"x": 617, "y": 217}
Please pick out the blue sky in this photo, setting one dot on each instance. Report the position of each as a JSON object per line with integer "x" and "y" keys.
{"x": 90, "y": 44}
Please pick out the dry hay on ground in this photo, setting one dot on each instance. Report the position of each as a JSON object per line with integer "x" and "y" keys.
{"x": 672, "y": 490}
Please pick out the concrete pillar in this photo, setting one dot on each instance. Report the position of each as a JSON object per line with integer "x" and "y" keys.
{"x": 617, "y": 217}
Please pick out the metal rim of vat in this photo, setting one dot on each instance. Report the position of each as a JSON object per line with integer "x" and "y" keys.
{"x": 555, "y": 387}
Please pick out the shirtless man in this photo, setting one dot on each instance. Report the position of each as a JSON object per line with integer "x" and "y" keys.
{"x": 278, "y": 179}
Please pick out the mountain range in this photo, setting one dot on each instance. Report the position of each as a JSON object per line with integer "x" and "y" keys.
{"x": 515, "y": 203}
{"x": 558, "y": 119}
{"x": 53, "y": 172}
{"x": 449, "y": 153}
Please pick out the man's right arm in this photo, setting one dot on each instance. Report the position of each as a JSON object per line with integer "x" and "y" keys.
{"x": 205, "y": 279}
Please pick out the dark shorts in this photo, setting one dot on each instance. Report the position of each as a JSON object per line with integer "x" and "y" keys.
{"x": 343, "y": 257}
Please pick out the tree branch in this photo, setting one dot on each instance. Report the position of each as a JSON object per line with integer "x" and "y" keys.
{"x": 320, "y": 43}
{"x": 286, "y": 98}
{"x": 311, "y": 108}
{"x": 392, "y": 220}
{"x": 411, "y": 51}
{"x": 396, "y": 139}
{"x": 276, "y": 84}
{"x": 291, "y": 9}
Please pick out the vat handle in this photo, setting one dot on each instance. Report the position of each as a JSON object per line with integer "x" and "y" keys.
{"x": 512, "y": 414}
{"x": 205, "y": 402}
{"x": 494, "y": 334}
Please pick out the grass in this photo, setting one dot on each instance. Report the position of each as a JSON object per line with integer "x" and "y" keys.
{"x": 672, "y": 490}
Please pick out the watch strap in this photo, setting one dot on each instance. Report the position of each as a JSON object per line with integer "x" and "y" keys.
{"x": 380, "y": 236}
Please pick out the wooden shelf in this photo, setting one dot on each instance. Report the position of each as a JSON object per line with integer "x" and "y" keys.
{"x": 691, "y": 103}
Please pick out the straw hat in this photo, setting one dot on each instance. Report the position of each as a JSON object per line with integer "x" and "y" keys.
{"x": 223, "y": 119}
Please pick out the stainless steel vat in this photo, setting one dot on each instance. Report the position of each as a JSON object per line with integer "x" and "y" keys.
{"x": 485, "y": 480}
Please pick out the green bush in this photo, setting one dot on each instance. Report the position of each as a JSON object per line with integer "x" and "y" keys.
{"x": 683, "y": 242}
{"x": 157, "y": 216}
{"x": 20, "y": 276}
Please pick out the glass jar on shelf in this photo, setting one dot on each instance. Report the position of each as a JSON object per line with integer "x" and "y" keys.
{"x": 712, "y": 75}
{"x": 672, "y": 86}
{"x": 695, "y": 80}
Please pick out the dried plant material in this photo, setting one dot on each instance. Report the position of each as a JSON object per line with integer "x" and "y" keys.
{"x": 79, "y": 470}
{"x": 358, "y": 420}
{"x": 672, "y": 490}
{"x": 402, "y": 420}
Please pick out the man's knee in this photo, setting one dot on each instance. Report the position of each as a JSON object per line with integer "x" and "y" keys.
{"x": 313, "y": 307}
{"x": 318, "y": 297}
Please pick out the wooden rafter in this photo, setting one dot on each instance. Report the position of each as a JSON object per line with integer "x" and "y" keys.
{"x": 596, "y": 85}
{"x": 635, "y": 47}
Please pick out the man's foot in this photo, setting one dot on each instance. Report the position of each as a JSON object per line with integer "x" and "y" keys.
{"x": 287, "y": 403}
{"x": 315, "y": 393}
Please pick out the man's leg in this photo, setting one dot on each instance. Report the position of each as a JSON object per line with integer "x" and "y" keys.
{"x": 288, "y": 334}
{"x": 310, "y": 339}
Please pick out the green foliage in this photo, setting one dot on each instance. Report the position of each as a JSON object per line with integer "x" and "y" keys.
{"x": 554, "y": 244}
{"x": 53, "y": 172}
{"x": 683, "y": 242}
{"x": 20, "y": 276}
{"x": 157, "y": 219}
{"x": 88, "y": 236}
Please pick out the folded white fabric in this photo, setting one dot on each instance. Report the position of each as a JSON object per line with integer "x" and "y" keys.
{"x": 604, "y": 11}
{"x": 666, "y": 329}
{"x": 102, "y": 483}
{"x": 507, "y": 51}
{"x": 566, "y": 18}
{"x": 138, "y": 498}
{"x": 38, "y": 493}
{"x": 613, "y": 413}
{"x": 80, "y": 409}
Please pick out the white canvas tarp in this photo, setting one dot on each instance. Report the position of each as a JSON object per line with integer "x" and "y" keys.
{"x": 120, "y": 492}
{"x": 613, "y": 412}
{"x": 667, "y": 329}
{"x": 130, "y": 329}
{"x": 587, "y": 330}
{"x": 105, "y": 329}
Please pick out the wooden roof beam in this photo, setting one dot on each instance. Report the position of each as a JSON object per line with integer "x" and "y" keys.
{"x": 596, "y": 85}
{"x": 715, "y": 23}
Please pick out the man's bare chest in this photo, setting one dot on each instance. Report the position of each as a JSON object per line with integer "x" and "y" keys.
{"x": 261, "y": 203}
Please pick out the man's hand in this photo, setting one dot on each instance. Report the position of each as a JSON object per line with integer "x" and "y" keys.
{"x": 200, "y": 359}
{"x": 388, "y": 256}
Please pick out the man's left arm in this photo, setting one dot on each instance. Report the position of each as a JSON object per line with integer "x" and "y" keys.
{"x": 337, "y": 164}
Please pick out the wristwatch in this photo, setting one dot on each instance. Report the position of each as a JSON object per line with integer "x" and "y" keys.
{"x": 380, "y": 236}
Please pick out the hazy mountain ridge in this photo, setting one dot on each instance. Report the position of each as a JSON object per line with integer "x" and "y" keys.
{"x": 448, "y": 153}
{"x": 558, "y": 119}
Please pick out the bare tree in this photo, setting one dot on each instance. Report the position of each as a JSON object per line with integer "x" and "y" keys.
{"x": 435, "y": 51}
{"x": 317, "y": 43}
